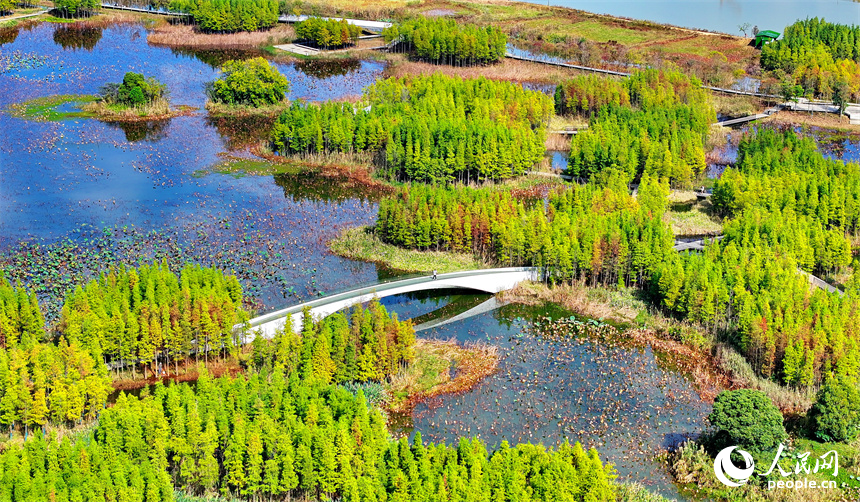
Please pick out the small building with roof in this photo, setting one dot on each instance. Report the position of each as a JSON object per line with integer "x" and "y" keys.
{"x": 765, "y": 37}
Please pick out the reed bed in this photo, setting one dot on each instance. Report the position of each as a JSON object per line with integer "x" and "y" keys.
{"x": 441, "y": 367}
{"x": 182, "y": 35}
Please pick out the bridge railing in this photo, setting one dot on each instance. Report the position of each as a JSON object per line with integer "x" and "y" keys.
{"x": 378, "y": 288}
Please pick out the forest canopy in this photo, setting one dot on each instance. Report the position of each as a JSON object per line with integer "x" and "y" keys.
{"x": 446, "y": 41}
{"x": 652, "y": 122}
{"x": 72, "y": 8}
{"x": 429, "y": 128}
{"x": 226, "y": 16}
{"x": 281, "y": 429}
{"x": 819, "y": 56}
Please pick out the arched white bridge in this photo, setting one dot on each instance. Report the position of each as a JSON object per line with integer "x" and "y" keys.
{"x": 491, "y": 280}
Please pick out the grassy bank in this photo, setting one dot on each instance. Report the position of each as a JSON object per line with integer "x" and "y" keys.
{"x": 440, "y": 367}
{"x": 225, "y": 110}
{"x": 693, "y": 469}
{"x": 362, "y": 244}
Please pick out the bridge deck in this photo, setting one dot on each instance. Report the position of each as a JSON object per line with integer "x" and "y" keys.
{"x": 491, "y": 280}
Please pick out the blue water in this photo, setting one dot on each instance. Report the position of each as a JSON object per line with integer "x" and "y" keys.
{"x": 721, "y": 15}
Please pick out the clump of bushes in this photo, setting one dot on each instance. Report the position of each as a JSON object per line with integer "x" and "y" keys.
{"x": 747, "y": 418}
{"x": 836, "y": 413}
{"x": 135, "y": 90}
{"x": 327, "y": 32}
{"x": 254, "y": 83}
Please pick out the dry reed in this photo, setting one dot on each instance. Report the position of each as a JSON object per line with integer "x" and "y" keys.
{"x": 188, "y": 36}
{"x": 471, "y": 362}
{"x": 510, "y": 70}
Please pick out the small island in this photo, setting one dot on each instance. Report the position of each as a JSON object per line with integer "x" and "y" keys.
{"x": 137, "y": 98}
{"x": 252, "y": 87}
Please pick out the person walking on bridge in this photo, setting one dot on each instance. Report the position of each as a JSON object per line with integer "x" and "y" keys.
{"x": 434, "y": 274}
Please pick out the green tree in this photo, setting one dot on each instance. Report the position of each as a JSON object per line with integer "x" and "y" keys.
{"x": 747, "y": 418}
{"x": 836, "y": 412}
{"x": 253, "y": 82}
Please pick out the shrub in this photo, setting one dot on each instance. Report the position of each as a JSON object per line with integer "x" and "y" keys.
{"x": 254, "y": 82}
{"x": 135, "y": 90}
{"x": 747, "y": 418}
{"x": 836, "y": 413}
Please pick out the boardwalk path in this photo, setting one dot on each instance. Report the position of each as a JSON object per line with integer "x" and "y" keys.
{"x": 24, "y": 16}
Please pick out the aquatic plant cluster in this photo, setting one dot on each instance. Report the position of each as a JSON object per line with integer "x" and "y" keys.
{"x": 661, "y": 132}
{"x": 446, "y": 41}
{"x": 430, "y": 128}
{"x": 18, "y": 60}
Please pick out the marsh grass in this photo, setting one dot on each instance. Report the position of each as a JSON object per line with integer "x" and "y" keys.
{"x": 510, "y": 70}
{"x": 156, "y": 110}
{"x": 635, "y": 492}
{"x": 441, "y": 367}
{"x": 689, "y": 216}
{"x": 225, "y": 110}
{"x": 731, "y": 105}
{"x": 46, "y": 108}
{"x": 557, "y": 142}
{"x": 362, "y": 244}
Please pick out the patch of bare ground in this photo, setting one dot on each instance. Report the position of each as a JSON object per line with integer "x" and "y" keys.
{"x": 441, "y": 367}
{"x": 822, "y": 120}
{"x": 511, "y": 70}
{"x": 178, "y": 35}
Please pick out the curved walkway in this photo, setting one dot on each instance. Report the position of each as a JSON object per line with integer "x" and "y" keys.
{"x": 491, "y": 280}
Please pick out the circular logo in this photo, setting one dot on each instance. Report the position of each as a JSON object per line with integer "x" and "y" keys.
{"x": 727, "y": 472}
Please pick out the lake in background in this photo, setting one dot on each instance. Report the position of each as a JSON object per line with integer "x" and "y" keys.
{"x": 721, "y": 15}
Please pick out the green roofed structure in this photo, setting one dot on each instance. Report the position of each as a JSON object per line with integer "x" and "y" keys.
{"x": 764, "y": 37}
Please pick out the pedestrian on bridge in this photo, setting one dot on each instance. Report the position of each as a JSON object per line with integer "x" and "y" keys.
{"x": 434, "y": 274}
